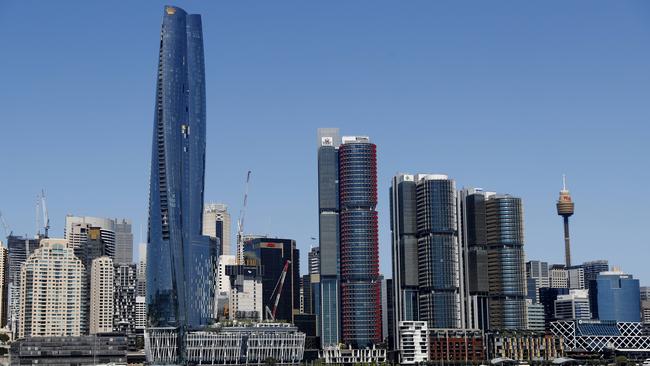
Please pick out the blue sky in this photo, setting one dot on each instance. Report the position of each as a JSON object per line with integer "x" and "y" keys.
{"x": 502, "y": 95}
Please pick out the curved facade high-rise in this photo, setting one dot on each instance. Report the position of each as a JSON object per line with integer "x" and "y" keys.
{"x": 180, "y": 260}
{"x": 360, "y": 288}
{"x": 438, "y": 251}
{"x": 506, "y": 271}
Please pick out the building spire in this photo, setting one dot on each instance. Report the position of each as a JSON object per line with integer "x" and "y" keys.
{"x": 564, "y": 182}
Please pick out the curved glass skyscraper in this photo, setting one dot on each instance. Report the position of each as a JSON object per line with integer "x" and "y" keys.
{"x": 360, "y": 289}
{"x": 180, "y": 260}
{"x": 438, "y": 256}
{"x": 506, "y": 272}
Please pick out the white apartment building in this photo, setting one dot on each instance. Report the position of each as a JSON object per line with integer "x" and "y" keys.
{"x": 413, "y": 342}
{"x": 102, "y": 286}
{"x": 50, "y": 291}
{"x": 140, "y": 312}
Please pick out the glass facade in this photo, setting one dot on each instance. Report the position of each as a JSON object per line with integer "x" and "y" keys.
{"x": 619, "y": 297}
{"x": 272, "y": 254}
{"x": 404, "y": 249}
{"x": 360, "y": 289}
{"x": 474, "y": 253}
{"x": 180, "y": 260}
{"x": 438, "y": 257}
{"x": 506, "y": 271}
{"x": 327, "y": 304}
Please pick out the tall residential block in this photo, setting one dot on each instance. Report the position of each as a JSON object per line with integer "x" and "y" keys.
{"x": 50, "y": 291}
{"x": 125, "y": 298}
{"x": 474, "y": 249}
{"x": 4, "y": 271}
{"x": 565, "y": 208}
{"x": 77, "y": 230}
{"x": 216, "y": 224}
{"x": 20, "y": 248}
{"x": 329, "y": 141}
{"x": 506, "y": 271}
{"x": 90, "y": 238}
{"x": 360, "y": 288}
{"x": 180, "y": 259}
{"x": 102, "y": 287}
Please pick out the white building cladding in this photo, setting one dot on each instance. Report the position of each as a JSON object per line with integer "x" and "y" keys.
{"x": 102, "y": 277}
{"x": 413, "y": 342}
{"x": 337, "y": 355}
{"x": 573, "y": 306}
{"x": 50, "y": 291}
{"x": 216, "y": 224}
{"x": 596, "y": 335}
{"x": 237, "y": 345}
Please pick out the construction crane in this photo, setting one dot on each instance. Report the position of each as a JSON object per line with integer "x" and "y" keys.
{"x": 240, "y": 222}
{"x": 270, "y": 314}
{"x": 8, "y": 231}
{"x": 41, "y": 209}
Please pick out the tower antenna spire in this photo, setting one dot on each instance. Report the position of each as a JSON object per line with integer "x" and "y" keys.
{"x": 564, "y": 182}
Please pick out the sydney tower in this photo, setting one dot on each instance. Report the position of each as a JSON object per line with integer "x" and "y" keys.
{"x": 565, "y": 208}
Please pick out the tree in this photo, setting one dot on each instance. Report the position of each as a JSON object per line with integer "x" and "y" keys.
{"x": 4, "y": 337}
{"x": 270, "y": 361}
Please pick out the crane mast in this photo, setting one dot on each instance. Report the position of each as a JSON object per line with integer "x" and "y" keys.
{"x": 240, "y": 222}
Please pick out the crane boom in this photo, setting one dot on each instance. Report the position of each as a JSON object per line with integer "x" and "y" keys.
{"x": 278, "y": 287}
{"x": 4, "y": 225}
{"x": 240, "y": 222}
{"x": 42, "y": 214}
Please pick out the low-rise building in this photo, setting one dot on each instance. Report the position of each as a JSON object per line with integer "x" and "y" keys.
{"x": 524, "y": 345}
{"x": 413, "y": 342}
{"x": 462, "y": 346}
{"x": 107, "y": 348}
{"x": 595, "y": 336}
{"x": 348, "y": 356}
{"x": 229, "y": 345}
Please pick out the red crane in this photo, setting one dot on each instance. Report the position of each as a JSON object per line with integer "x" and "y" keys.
{"x": 278, "y": 287}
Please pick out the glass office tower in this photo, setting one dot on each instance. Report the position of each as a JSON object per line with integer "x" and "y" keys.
{"x": 180, "y": 260}
{"x": 506, "y": 271}
{"x": 328, "y": 227}
{"x": 438, "y": 251}
{"x": 404, "y": 250}
{"x": 618, "y": 297}
{"x": 472, "y": 228}
{"x": 360, "y": 289}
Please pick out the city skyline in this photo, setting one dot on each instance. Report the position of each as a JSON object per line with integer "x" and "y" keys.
{"x": 523, "y": 165}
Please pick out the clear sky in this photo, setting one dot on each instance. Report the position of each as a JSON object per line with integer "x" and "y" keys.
{"x": 502, "y": 95}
